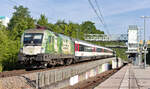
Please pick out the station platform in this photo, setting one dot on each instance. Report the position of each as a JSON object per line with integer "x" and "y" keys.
{"x": 129, "y": 77}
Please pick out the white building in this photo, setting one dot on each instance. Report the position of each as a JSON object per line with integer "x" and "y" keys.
{"x": 133, "y": 39}
{"x": 4, "y": 20}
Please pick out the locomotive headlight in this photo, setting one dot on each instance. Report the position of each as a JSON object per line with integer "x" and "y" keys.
{"x": 42, "y": 50}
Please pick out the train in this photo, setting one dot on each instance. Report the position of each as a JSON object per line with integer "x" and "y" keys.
{"x": 41, "y": 47}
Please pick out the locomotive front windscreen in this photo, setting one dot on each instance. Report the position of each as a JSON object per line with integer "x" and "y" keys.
{"x": 33, "y": 39}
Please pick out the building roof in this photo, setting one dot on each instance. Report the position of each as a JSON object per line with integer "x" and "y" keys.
{"x": 2, "y": 17}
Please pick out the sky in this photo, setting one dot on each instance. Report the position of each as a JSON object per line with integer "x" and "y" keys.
{"x": 118, "y": 14}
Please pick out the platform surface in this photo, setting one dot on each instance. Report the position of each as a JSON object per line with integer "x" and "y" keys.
{"x": 129, "y": 77}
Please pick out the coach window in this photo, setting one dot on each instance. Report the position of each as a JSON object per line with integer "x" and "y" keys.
{"x": 105, "y": 50}
{"x": 88, "y": 49}
{"x": 98, "y": 50}
{"x": 81, "y": 47}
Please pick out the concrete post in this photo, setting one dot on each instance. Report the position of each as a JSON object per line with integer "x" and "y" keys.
{"x": 114, "y": 64}
{"x": 140, "y": 58}
{"x": 105, "y": 67}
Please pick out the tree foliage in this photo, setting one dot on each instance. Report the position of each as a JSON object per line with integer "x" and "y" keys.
{"x": 10, "y": 37}
{"x": 43, "y": 21}
{"x": 20, "y": 21}
{"x": 8, "y": 50}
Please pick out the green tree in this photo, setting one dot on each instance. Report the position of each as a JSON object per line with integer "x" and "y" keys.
{"x": 8, "y": 50}
{"x": 73, "y": 30}
{"x": 60, "y": 26}
{"x": 20, "y": 21}
{"x": 2, "y": 27}
{"x": 43, "y": 21}
{"x": 88, "y": 27}
{"x": 10, "y": 39}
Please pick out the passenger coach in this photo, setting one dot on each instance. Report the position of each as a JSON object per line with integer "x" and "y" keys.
{"x": 87, "y": 50}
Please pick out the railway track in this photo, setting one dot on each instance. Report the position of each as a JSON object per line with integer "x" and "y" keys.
{"x": 23, "y": 71}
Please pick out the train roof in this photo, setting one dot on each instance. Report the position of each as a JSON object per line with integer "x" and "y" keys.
{"x": 90, "y": 44}
{"x": 34, "y": 31}
{"x": 66, "y": 37}
{"x": 61, "y": 35}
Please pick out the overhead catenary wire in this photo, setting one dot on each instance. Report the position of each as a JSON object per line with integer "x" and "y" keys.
{"x": 105, "y": 25}
{"x": 100, "y": 19}
{"x": 99, "y": 10}
{"x": 99, "y": 15}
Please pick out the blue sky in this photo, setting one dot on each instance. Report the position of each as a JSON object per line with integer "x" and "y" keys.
{"x": 118, "y": 14}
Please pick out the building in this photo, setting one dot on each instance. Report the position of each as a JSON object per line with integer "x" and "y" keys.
{"x": 4, "y": 20}
{"x": 132, "y": 39}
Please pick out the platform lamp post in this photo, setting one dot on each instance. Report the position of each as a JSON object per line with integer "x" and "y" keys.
{"x": 145, "y": 17}
{"x": 140, "y": 42}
